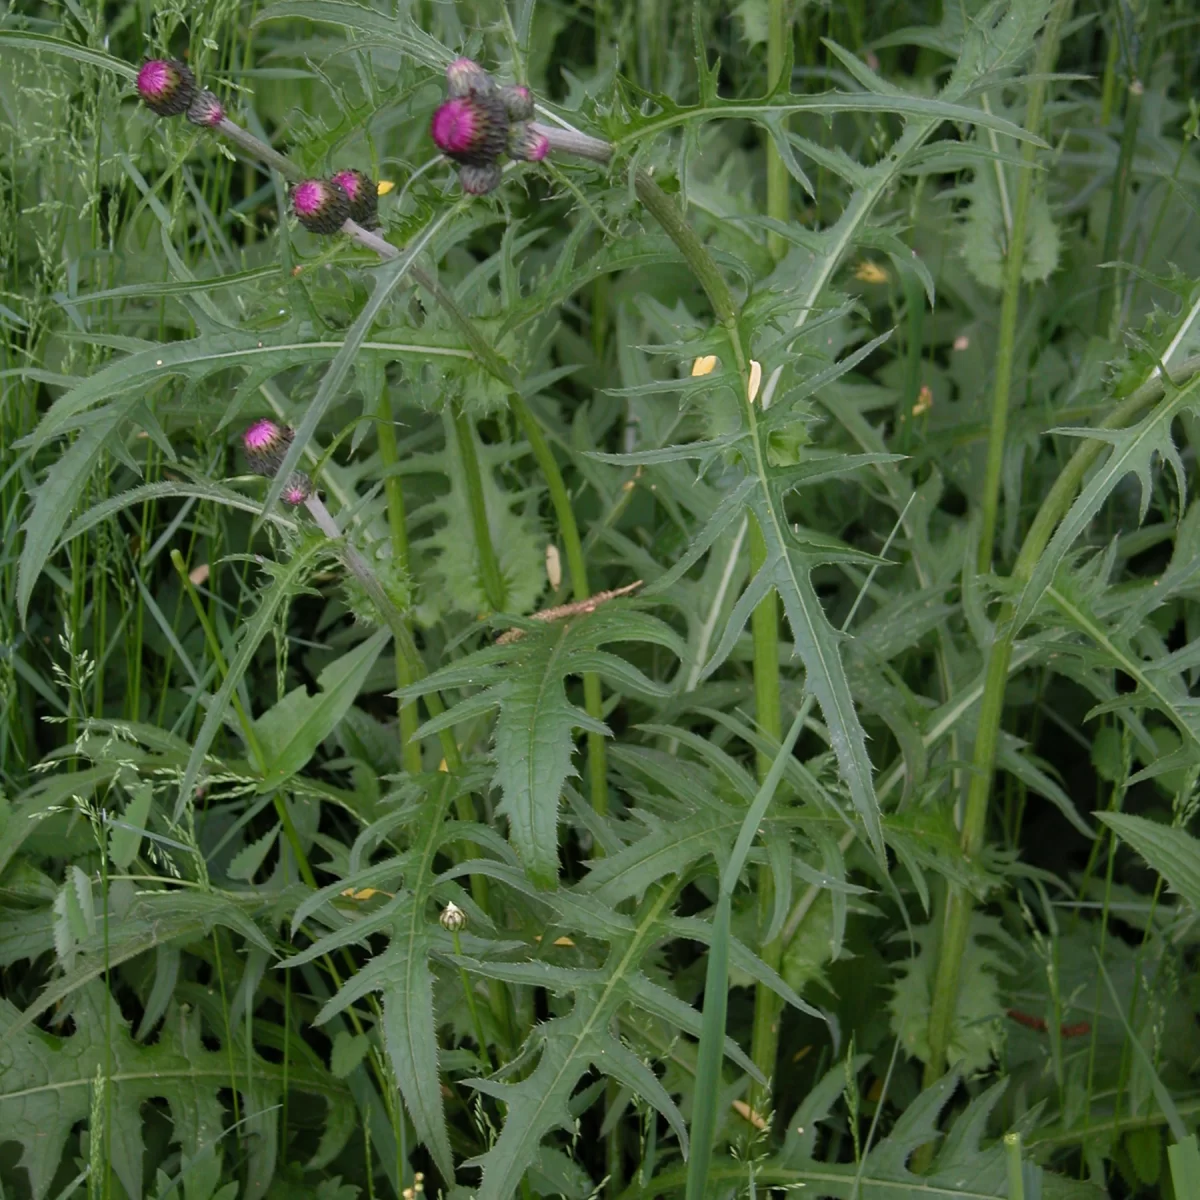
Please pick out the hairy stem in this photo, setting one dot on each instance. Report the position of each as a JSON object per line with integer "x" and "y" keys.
{"x": 489, "y": 565}
{"x": 1014, "y": 265}
{"x": 959, "y": 903}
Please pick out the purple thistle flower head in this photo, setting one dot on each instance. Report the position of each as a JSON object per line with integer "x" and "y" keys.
{"x": 362, "y": 193}
{"x": 320, "y": 205}
{"x": 463, "y": 76}
{"x": 166, "y": 86}
{"x": 472, "y": 130}
{"x": 297, "y": 489}
{"x": 266, "y": 444}
{"x": 206, "y": 110}
{"x": 456, "y": 126}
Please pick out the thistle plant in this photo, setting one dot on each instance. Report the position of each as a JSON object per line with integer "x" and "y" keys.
{"x": 699, "y": 702}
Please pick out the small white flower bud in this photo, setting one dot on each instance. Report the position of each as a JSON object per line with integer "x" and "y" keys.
{"x": 453, "y": 918}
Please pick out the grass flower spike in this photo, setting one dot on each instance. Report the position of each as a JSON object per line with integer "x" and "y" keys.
{"x": 362, "y": 192}
{"x": 320, "y": 205}
{"x": 166, "y": 86}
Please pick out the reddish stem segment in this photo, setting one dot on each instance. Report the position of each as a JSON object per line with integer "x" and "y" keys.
{"x": 1080, "y": 1029}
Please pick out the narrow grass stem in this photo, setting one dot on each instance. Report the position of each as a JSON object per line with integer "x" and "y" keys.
{"x": 1123, "y": 175}
{"x": 1014, "y": 266}
{"x": 469, "y": 993}
{"x": 489, "y": 565}
{"x": 959, "y": 902}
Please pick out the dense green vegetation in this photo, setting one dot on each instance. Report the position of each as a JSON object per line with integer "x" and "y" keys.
{"x": 700, "y": 703}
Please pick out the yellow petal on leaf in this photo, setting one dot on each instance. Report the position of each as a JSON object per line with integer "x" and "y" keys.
{"x": 870, "y": 272}
{"x": 755, "y": 381}
{"x": 365, "y": 893}
{"x": 384, "y": 186}
{"x": 705, "y": 365}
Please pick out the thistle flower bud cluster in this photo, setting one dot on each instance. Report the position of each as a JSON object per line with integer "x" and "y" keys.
{"x": 325, "y": 205}
{"x": 266, "y": 445}
{"x": 481, "y": 122}
{"x": 168, "y": 89}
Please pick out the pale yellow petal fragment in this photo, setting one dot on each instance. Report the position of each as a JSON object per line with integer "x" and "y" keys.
{"x": 553, "y": 566}
{"x": 384, "y": 186}
{"x": 744, "y": 1111}
{"x": 705, "y": 365}
{"x": 755, "y": 381}
{"x": 365, "y": 893}
{"x": 870, "y": 272}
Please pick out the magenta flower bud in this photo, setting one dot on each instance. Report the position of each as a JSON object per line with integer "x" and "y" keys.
{"x": 166, "y": 86}
{"x": 518, "y": 102}
{"x": 478, "y": 181}
{"x": 206, "y": 110}
{"x": 464, "y": 77}
{"x": 266, "y": 444}
{"x": 362, "y": 192}
{"x": 472, "y": 130}
{"x": 320, "y": 206}
{"x": 297, "y": 489}
{"x": 526, "y": 144}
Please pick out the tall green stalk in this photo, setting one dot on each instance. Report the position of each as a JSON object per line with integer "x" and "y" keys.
{"x": 764, "y": 624}
{"x": 957, "y": 913}
{"x": 1014, "y": 265}
{"x": 389, "y": 457}
{"x": 489, "y": 565}
{"x": 765, "y": 619}
{"x": 778, "y": 179}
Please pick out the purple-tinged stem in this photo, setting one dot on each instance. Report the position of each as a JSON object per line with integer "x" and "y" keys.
{"x": 258, "y": 148}
{"x": 569, "y": 141}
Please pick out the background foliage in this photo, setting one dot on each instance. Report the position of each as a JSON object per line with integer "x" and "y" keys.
{"x": 944, "y": 261}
